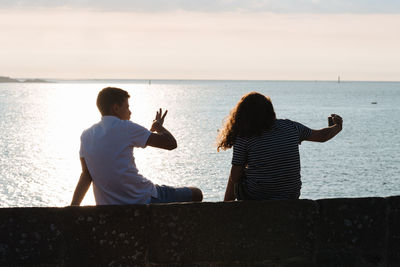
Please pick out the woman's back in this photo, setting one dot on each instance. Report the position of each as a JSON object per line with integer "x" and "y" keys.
{"x": 266, "y": 150}
{"x": 272, "y": 160}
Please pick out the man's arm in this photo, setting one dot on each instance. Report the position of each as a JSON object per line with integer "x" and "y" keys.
{"x": 83, "y": 185}
{"x": 161, "y": 137}
{"x": 234, "y": 177}
{"x": 327, "y": 133}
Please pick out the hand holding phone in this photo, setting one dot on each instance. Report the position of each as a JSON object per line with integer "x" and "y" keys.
{"x": 330, "y": 121}
{"x": 335, "y": 119}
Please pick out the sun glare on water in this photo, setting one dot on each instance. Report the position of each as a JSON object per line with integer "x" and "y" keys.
{"x": 70, "y": 109}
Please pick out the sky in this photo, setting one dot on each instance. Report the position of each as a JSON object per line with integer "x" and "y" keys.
{"x": 193, "y": 39}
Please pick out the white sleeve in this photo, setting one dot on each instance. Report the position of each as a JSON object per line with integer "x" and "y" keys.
{"x": 137, "y": 134}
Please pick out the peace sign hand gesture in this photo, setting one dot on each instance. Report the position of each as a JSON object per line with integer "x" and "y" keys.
{"x": 158, "y": 121}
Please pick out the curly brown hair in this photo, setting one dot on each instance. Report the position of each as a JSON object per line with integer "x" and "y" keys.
{"x": 253, "y": 114}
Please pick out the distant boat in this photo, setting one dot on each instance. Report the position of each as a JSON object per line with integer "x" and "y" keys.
{"x": 374, "y": 103}
{"x": 338, "y": 79}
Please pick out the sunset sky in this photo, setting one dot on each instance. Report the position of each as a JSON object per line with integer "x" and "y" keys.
{"x": 192, "y": 39}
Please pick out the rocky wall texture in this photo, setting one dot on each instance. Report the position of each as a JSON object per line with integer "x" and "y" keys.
{"x": 328, "y": 232}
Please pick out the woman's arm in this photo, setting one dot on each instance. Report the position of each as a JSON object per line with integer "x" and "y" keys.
{"x": 234, "y": 177}
{"x": 327, "y": 133}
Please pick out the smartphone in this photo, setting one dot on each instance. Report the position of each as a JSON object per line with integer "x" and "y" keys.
{"x": 330, "y": 121}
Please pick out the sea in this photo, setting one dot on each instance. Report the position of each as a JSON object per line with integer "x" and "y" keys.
{"x": 41, "y": 124}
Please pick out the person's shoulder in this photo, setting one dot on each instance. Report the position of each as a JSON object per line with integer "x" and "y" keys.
{"x": 132, "y": 125}
{"x": 136, "y": 130}
{"x": 89, "y": 133}
{"x": 114, "y": 122}
{"x": 283, "y": 122}
{"x": 90, "y": 129}
{"x": 298, "y": 127}
{"x": 286, "y": 122}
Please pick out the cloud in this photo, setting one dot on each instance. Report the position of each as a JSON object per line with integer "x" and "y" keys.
{"x": 273, "y": 6}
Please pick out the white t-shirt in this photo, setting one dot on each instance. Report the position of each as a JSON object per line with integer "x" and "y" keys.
{"x": 107, "y": 148}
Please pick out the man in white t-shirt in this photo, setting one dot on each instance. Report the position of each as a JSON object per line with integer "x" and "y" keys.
{"x": 107, "y": 159}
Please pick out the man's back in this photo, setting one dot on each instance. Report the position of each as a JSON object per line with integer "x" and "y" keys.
{"x": 107, "y": 159}
{"x": 107, "y": 148}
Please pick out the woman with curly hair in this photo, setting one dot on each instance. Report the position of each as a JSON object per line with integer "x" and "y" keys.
{"x": 266, "y": 159}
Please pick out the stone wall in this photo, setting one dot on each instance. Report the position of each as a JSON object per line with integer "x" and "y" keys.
{"x": 328, "y": 232}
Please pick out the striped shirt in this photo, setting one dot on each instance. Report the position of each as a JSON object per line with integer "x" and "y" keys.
{"x": 272, "y": 160}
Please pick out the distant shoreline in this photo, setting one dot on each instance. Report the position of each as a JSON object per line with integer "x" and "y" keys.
{"x": 155, "y": 81}
{"x": 4, "y": 79}
{"x": 90, "y": 80}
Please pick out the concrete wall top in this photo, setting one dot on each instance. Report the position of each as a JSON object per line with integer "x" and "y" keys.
{"x": 326, "y": 232}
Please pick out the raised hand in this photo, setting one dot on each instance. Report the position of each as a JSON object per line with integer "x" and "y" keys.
{"x": 337, "y": 119}
{"x": 158, "y": 120}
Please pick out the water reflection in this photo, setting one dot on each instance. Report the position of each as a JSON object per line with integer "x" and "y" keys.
{"x": 41, "y": 125}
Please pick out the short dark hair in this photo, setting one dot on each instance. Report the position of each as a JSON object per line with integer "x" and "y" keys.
{"x": 108, "y": 97}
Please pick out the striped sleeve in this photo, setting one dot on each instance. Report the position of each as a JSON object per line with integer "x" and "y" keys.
{"x": 239, "y": 152}
{"x": 302, "y": 131}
